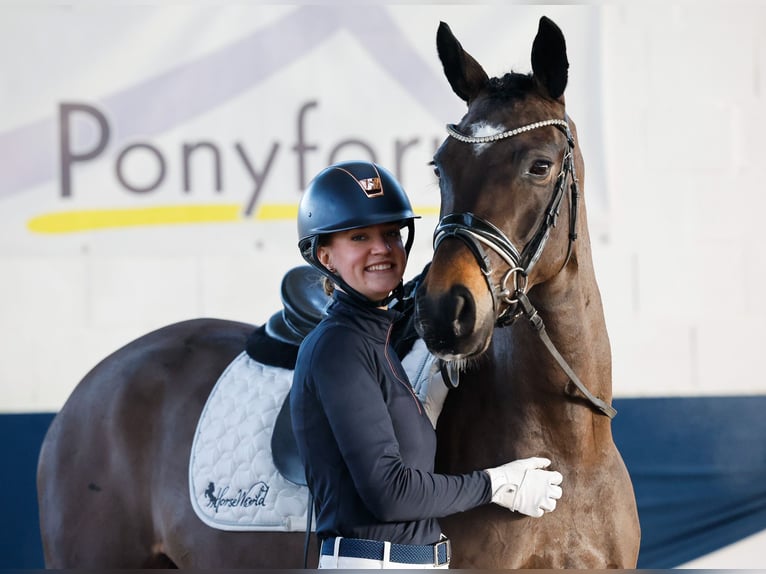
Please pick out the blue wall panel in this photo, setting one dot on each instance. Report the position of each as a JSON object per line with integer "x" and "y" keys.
{"x": 698, "y": 467}
{"x": 21, "y": 436}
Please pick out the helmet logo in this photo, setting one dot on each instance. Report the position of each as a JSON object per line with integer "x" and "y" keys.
{"x": 371, "y": 186}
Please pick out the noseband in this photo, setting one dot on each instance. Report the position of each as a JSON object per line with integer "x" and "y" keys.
{"x": 476, "y": 233}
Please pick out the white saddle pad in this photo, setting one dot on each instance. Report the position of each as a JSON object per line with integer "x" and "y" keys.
{"x": 233, "y": 482}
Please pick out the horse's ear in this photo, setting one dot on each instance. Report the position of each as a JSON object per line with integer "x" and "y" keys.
{"x": 465, "y": 75}
{"x": 549, "y": 58}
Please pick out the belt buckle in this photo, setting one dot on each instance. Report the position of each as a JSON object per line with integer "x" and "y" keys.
{"x": 447, "y": 552}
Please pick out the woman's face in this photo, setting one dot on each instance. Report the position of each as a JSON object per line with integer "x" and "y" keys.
{"x": 370, "y": 259}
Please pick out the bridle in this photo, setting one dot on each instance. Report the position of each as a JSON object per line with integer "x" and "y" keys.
{"x": 477, "y": 233}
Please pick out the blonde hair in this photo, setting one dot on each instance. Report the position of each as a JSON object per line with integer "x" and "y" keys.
{"x": 327, "y": 284}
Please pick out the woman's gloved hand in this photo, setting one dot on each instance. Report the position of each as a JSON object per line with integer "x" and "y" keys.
{"x": 524, "y": 486}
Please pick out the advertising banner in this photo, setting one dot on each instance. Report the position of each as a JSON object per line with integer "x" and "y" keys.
{"x": 153, "y": 156}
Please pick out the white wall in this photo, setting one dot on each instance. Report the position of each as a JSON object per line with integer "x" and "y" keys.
{"x": 682, "y": 272}
{"x": 672, "y": 96}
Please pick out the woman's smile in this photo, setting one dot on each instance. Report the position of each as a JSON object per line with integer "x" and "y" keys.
{"x": 380, "y": 267}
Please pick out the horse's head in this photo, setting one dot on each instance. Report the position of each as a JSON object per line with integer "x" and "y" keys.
{"x": 504, "y": 173}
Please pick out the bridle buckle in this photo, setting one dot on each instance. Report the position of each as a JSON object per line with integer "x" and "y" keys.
{"x": 506, "y": 293}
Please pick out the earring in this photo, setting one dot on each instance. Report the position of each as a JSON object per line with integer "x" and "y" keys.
{"x": 331, "y": 269}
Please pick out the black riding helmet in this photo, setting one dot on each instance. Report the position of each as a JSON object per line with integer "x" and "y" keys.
{"x": 349, "y": 195}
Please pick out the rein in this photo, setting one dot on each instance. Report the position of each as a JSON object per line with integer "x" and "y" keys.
{"x": 476, "y": 233}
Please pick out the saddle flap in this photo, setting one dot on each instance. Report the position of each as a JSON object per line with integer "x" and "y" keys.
{"x": 284, "y": 449}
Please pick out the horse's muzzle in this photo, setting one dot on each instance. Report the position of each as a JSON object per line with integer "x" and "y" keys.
{"x": 450, "y": 325}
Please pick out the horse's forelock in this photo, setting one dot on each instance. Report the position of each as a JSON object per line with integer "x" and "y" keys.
{"x": 510, "y": 86}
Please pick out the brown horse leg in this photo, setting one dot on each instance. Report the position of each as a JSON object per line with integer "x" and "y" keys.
{"x": 86, "y": 519}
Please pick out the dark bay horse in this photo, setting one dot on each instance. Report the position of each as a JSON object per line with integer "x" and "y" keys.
{"x": 113, "y": 476}
{"x": 511, "y": 304}
{"x": 113, "y": 470}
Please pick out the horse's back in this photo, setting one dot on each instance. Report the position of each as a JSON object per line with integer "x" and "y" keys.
{"x": 123, "y": 436}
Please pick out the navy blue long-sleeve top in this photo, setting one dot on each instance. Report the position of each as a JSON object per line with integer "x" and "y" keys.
{"x": 365, "y": 440}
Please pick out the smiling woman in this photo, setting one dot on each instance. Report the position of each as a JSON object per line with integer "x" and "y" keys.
{"x": 366, "y": 442}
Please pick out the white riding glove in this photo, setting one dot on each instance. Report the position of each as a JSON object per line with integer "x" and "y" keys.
{"x": 523, "y": 486}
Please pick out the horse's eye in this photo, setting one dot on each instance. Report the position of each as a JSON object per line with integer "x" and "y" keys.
{"x": 540, "y": 168}
{"x": 437, "y": 173}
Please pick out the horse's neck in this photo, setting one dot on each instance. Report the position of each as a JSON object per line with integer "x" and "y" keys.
{"x": 570, "y": 306}
{"x": 534, "y": 387}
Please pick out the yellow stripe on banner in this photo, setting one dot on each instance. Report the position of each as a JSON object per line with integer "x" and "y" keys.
{"x": 84, "y": 220}
{"x": 90, "y": 219}
{"x": 276, "y": 211}
{"x": 427, "y": 211}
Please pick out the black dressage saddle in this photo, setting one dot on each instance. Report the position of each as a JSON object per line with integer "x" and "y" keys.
{"x": 303, "y": 306}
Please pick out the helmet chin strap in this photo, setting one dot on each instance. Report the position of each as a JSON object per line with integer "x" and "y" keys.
{"x": 351, "y": 292}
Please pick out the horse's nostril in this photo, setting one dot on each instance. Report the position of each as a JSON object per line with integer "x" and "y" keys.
{"x": 447, "y": 321}
{"x": 456, "y": 328}
{"x": 464, "y": 312}
{"x": 459, "y": 305}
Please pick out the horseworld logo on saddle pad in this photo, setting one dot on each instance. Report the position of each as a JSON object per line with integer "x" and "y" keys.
{"x": 253, "y": 496}
{"x": 233, "y": 482}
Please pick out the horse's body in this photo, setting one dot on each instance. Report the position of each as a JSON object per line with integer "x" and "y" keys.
{"x": 114, "y": 468}
{"x": 113, "y": 472}
{"x": 514, "y": 400}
